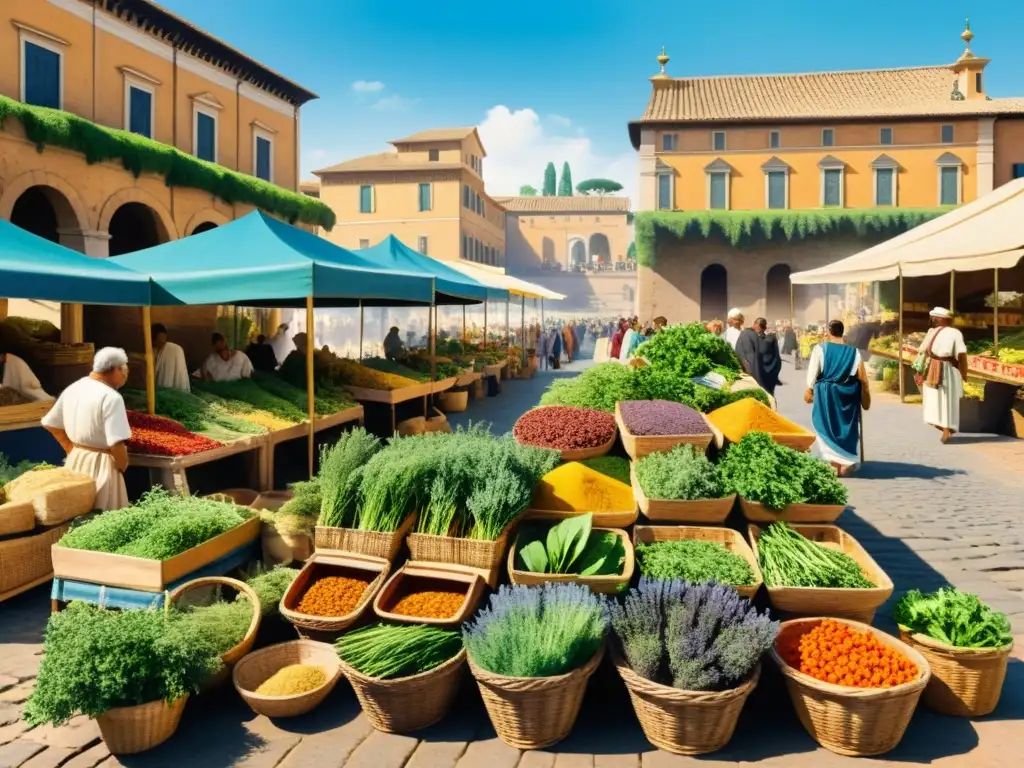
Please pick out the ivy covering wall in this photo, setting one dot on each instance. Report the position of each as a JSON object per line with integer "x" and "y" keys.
{"x": 55, "y": 128}
{"x": 744, "y": 229}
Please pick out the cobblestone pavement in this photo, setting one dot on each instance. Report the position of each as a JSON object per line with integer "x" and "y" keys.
{"x": 929, "y": 514}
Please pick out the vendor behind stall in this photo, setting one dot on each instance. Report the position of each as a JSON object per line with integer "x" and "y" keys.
{"x": 261, "y": 355}
{"x": 394, "y": 349}
{"x": 15, "y": 374}
{"x": 170, "y": 367}
{"x": 90, "y": 422}
{"x": 225, "y": 364}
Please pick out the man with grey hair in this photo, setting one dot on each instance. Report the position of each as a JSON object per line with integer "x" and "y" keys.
{"x": 735, "y": 323}
{"x": 90, "y": 422}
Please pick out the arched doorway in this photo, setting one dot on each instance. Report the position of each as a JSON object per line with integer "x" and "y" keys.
{"x": 577, "y": 254}
{"x": 777, "y": 294}
{"x": 43, "y": 211}
{"x": 600, "y": 249}
{"x": 714, "y": 293}
{"x": 135, "y": 226}
{"x": 206, "y": 226}
{"x": 547, "y": 247}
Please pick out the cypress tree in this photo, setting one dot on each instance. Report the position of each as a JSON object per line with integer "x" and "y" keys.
{"x": 565, "y": 183}
{"x": 549, "y": 180}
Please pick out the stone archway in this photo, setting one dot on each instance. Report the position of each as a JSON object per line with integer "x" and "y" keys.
{"x": 600, "y": 249}
{"x": 777, "y": 294}
{"x": 166, "y": 228}
{"x": 133, "y": 227}
{"x": 577, "y": 254}
{"x": 714, "y": 293}
{"x": 44, "y": 211}
{"x": 205, "y": 220}
{"x": 71, "y": 211}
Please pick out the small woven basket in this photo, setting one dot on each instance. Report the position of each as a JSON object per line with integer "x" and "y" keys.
{"x": 685, "y": 722}
{"x": 408, "y": 703}
{"x": 130, "y": 730}
{"x": 965, "y": 682}
{"x": 856, "y": 722}
{"x": 375, "y": 570}
{"x": 373, "y": 543}
{"x": 534, "y": 712}
{"x": 258, "y": 667}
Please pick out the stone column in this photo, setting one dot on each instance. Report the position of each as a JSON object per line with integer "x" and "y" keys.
{"x": 648, "y": 170}
{"x": 91, "y": 243}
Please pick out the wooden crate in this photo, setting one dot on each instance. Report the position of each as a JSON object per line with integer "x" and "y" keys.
{"x": 638, "y": 446}
{"x": 432, "y": 576}
{"x": 391, "y": 396}
{"x": 698, "y": 511}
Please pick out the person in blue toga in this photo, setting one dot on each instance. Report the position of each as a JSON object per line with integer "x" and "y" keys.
{"x": 837, "y": 385}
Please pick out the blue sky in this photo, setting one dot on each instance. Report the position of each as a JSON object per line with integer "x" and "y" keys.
{"x": 571, "y": 74}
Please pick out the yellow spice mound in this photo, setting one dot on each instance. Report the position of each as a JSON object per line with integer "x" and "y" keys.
{"x": 573, "y": 487}
{"x": 293, "y": 680}
{"x": 750, "y": 415}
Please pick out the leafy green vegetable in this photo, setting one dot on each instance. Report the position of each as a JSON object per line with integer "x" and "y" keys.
{"x": 251, "y": 394}
{"x": 955, "y": 618}
{"x": 571, "y": 547}
{"x": 270, "y": 586}
{"x": 298, "y": 515}
{"x": 690, "y": 350}
{"x": 683, "y": 474}
{"x": 9, "y": 472}
{"x": 788, "y": 559}
{"x": 389, "y": 366}
{"x": 327, "y": 401}
{"x": 387, "y": 651}
{"x": 693, "y": 561}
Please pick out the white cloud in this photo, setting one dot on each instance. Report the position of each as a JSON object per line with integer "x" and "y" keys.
{"x": 518, "y": 149}
{"x": 393, "y": 103}
{"x": 367, "y": 86}
{"x": 562, "y": 122}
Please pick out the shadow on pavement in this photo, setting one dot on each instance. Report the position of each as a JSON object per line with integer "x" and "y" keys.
{"x": 893, "y": 470}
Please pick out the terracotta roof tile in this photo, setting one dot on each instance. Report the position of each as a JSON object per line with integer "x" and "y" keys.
{"x": 574, "y": 204}
{"x": 385, "y": 161}
{"x": 437, "y": 134}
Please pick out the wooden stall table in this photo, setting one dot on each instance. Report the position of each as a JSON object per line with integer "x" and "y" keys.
{"x": 468, "y": 382}
{"x": 301, "y": 431}
{"x": 170, "y": 471}
{"x": 443, "y": 385}
{"x": 376, "y": 401}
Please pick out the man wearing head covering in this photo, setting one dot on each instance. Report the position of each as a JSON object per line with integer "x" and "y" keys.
{"x": 942, "y": 368}
{"x": 735, "y": 323}
{"x": 280, "y": 343}
{"x": 225, "y": 364}
{"x": 90, "y": 422}
{"x": 15, "y": 374}
{"x": 169, "y": 366}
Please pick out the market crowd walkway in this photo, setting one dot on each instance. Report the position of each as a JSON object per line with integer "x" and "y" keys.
{"x": 929, "y": 514}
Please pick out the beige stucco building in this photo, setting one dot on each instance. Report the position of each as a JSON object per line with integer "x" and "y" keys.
{"x": 577, "y": 246}
{"x": 428, "y": 191}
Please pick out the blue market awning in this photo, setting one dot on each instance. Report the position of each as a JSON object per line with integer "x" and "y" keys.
{"x": 259, "y": 261}
{"x": 32, "y": 267}
{"x": 451, "y": 286}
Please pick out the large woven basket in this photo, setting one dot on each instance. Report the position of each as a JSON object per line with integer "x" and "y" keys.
{"x": 130, "y": 730}
{"x": 408, "y": 703}
{"x": 232, "y": 656}
{"x": 534, "y": 712}
{"x": 610, "y": 584}
{"x": 64, "y": 354}
{"x": 756, "y": 512}
{"x": 685, "y": 722}
{"x": 258, "y": 667}
{"x": 321, "y": 564}
{"x": 475, "y": 553}
{"x": 27, "y": 558}
{"x": 852, "y": 721}
{"x": 965, "y": 682}
{"x": 373, "y": 543}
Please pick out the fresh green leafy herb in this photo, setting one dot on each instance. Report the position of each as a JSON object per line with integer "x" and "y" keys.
{"x": 341, "y": 468}
{"x": 955, "y": 618}
{"x": 694, "y": 561}
{"x": 571, "y": 547}
{"x": 387, "y": 651}
{"x": 683, "y": 474}
{"x": 788, "y": 559}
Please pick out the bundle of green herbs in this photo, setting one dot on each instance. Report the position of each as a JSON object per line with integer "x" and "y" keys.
{"x": 690, "y": 350}
{"x": 299, "y": 514}
{"x": 788, "y": 559}
{"x": 683, "y": 474}
{"x": 955, "y": 618}
{"x": 200, "y": 412}
{"x": 95, "y": 660}
{"x": 761, "y": 470}
{"x": 536, "y": 631}
{"x": 251, "y": 393}
{"x": 694, "y": 561}
{"x": 695, "y": 638}
{"x": 389, "y": 651}
{"x": 157, "y": 527}
{"x": 390, "y": 366}
{"x": 570, "y": 547}
{"x": 341, "y": 470}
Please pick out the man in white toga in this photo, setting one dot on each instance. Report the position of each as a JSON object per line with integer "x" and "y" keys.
{"x": 942, "y": 380}
{"x": 170, "y": 368}
{"x": 735, "y": 323}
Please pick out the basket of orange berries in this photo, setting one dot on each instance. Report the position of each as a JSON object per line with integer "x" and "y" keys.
{"x": 854, "y": 688}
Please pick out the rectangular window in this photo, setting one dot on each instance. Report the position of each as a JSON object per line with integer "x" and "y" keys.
{"x": 947, "y": 134}
{"x": 421, "y": 244}
{"x": 465, "y": 247}
{"x": 433, "y": 155}
{"x": 264, "y": 162}
{"x": 885, "y": 136}
{"x": 977, "y": 82}
{"x": 140, "y": 111}
{"x": 883, "y": 186}
{"x": 833, "y": 192}
{"x": 828, "y": 137}
{"x": 774, "y": 139}
{"x": 718, "y": 182}
{"x": 206, "y": 136}
{"x": 718, "y": 141}
{"x": 425, "y": 201}
{"x": 42, "y": 72}
{"x": 366, "y": 199}
{"x": 669, "y": 142}
{"x": 364, "y": 244}
{"x": 465, "y": 196}
{"x": 949, "y": 193}
{"x": 664, "y": 192}
{"x": 776, "y": 189}
{"x": 1018, "y": 171}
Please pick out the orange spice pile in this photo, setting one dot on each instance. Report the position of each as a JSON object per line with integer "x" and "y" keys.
{"x": 432, "y": 604}
{"x": 332, "y": 596}
{"x": 833, "y": 652}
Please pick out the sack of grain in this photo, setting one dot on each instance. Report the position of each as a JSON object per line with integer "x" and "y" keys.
{"x": 16, "y": 517}
{"x": 57, "y": 495}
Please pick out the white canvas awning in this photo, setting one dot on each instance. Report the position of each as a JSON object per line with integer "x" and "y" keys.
{"x": 494, "y": 277}
{"x": 985, "y": 234}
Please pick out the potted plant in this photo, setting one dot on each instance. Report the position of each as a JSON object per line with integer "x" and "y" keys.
{"x": 132, "y": 671}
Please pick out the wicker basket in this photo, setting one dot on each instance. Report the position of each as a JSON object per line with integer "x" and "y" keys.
{"x": 697, "y": 512}
{"x": 373, "y": 543}
{"x": 685, "y": 722}
{"x": 230, "y": 657}
{"x": 130, "y": 730}
{"x": 965, "y": 682}
{"x": 850, "y": 721}
{"x": 607, "y": 585}
{"x": 243, "y": 497}
{"x": 419, "y": 576}
{"x": 408, "y": 703}
{"x": 756, "y": 512}
{"x": 321, "y": 564}
{"x": 57, "y": 495}
{"x": 730, "y": 540}
{"x": 27, "y": 558}
{"x": 17, "y": 517}
{"x": 534, "y": 712}
{"x": 474, "y": 553}
{"x": 854, "y": 604}
{"x": 258, "y": 667}
{"x": 452, "y": 402}
{"x": 284, "y": 548}
{"x": 638, "y": 446}
{"x": 64, "y": 354}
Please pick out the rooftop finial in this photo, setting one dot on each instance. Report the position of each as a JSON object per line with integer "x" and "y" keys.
{"x": 967, "y": 36}
{"x": 663, "y": 60}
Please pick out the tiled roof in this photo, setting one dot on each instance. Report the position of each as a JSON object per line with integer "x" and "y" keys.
{"x": 310, "y": 186}
{"x": 385, "y": 161}
{"x": 574, "y": 204}
{"x": 437, "y": 134}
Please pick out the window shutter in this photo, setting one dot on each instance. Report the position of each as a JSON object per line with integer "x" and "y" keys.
{"x": 776, "y": 189}
{"x": 664, "y": 192}
{"x": 140, "y": 112}
{"x": 883, "y": 186}
{"x": 833, "y": 181}
{"x": 949, "y": 192}
{"x": 206, "y": 142}
{"x": 42, "y": 76}
{"x": 718, "y": 181}
{"x": 262, "y": 158}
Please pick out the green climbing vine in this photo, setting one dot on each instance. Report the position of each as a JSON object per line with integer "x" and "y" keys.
{"x": 743, "y": 229}
{"x": 55, "y": 128}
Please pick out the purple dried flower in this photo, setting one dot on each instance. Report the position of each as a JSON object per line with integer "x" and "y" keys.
{"x": 661, "y": 417}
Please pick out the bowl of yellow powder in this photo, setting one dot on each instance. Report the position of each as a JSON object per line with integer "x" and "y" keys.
{"x": 287, "y": 679}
